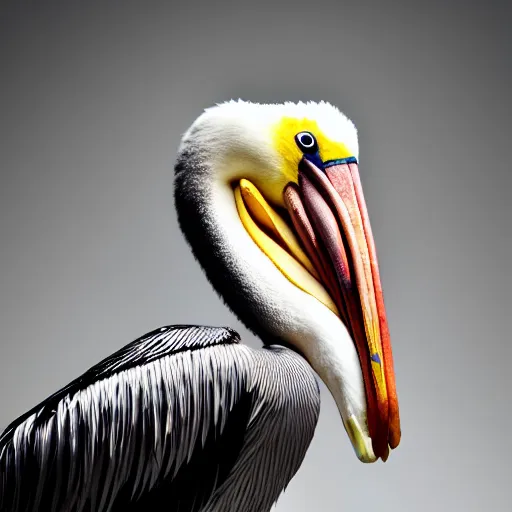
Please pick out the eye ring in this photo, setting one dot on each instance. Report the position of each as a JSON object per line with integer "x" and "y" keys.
{"x": 306, "y": 142}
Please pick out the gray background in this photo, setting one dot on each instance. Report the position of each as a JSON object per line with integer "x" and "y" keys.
{"x": 94, "y": 99}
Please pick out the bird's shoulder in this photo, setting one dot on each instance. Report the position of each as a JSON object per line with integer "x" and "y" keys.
{"x": 164, "y": 341}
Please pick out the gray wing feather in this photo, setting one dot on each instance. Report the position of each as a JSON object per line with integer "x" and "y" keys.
{"x": 185, "y": 413}
{"x": 283, "y": 419}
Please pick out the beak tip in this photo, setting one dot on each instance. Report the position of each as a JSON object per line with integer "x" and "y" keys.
{"x": 385, "y": 455}
{"x": 395, "y": 436}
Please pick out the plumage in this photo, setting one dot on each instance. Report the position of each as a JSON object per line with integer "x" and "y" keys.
{"x": 184, "y": 418}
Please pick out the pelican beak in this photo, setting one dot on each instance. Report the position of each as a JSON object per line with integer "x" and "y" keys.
{"x": 329, "y": 214}
{"x": 333, "y": 258}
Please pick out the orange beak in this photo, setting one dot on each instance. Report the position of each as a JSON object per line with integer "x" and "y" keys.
{"x": 329, "y": 213}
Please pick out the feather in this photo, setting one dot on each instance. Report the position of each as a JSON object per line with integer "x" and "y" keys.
{"x": 183, "y": 416}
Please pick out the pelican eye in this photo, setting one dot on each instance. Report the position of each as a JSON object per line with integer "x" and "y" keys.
{"x": 306, "y": 142}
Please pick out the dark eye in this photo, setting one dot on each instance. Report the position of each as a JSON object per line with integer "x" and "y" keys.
{"x": 306, "y": 142}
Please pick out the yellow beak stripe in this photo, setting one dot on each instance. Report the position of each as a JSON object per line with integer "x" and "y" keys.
{"x": 266, "y": 216}
{"x": 248, "y": 199}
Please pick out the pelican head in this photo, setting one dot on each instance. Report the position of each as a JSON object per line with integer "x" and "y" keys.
{"x": 270, "y": 200}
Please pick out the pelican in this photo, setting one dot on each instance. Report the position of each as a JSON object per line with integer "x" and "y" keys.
{"x": 187, "y": 418}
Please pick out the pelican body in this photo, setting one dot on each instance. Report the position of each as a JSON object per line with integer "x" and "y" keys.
{"x": 186, "y": 417}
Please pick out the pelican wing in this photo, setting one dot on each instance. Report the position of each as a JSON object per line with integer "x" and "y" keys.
{"x": 181, "y": 419}
{"x": 129, "y": 425}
